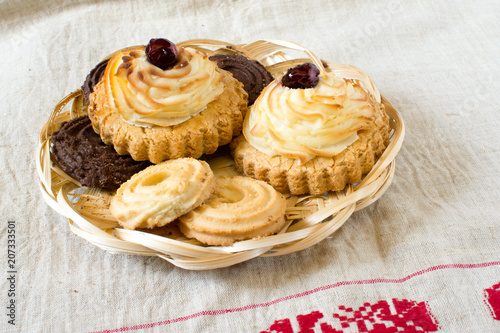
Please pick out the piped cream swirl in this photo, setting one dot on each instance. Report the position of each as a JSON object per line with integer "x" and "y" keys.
{"x": 145, "y": 95}
{"x": 304, "y": 123}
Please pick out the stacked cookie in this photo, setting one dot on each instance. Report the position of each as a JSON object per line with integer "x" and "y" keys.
{"x": 216, "y": 211}
{"x": 159, "y": 108}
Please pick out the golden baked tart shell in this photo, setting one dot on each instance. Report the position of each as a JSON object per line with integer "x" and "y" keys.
{"x": 202, "y": 134}
{"x": 320, "y": 174}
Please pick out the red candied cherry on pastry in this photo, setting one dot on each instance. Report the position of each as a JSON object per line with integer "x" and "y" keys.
{"x": 301, "y": 76}
{"x": 162, "y": 53}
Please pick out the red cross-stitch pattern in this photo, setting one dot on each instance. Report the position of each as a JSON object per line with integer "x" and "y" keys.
{"x": 381, "y": 317}
{"x": 492, "y": 296}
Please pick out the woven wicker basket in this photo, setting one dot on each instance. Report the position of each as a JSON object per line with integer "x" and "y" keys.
{"x": 310, "y": 218}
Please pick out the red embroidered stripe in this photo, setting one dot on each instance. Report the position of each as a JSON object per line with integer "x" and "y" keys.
{"x": 298, "y": 295}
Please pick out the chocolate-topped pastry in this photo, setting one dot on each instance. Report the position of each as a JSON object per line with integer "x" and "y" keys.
{"x": 80, "y": 153}
{"x": 93, "y": 78}
{"x": 251, "y": 73}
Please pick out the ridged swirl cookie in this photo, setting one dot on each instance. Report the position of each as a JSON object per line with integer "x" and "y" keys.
{"x": 161, "y": 193}
{"x": 240, "y": 208}
{"x": 251, "y": 73}
{"x": 93, "y": 78}
{"x": 80, "y": 153}
{"x": 151, "y": 114}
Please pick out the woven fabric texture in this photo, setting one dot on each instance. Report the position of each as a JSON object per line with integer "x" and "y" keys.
{"x": 423, "y": 258}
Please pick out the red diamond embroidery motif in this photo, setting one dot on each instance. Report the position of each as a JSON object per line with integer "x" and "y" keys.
{"x": 381, "y": 317}
{"x": 492, "y": 299}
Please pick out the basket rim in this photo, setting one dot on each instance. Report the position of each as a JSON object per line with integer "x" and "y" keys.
{"x": 57, "y": 187}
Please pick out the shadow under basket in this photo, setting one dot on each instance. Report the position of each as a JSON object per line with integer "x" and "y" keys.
{"x": 310, "y": 219}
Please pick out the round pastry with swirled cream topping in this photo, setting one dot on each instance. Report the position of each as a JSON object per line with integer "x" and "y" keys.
{"x": 152, "y": 114}
{"x": 312, "y": 140}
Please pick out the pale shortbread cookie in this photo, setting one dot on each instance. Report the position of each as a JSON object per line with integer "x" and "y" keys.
{"x": 319, "y": 174}
{"x": 160, "y": 193}
{"x": 240, "y": 208}
{"x": 123, "y": 117}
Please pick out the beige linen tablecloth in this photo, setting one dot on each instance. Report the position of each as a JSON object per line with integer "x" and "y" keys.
{"x": 424, "y": 258}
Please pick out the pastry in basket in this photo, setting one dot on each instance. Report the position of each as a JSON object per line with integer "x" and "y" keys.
{"x": 160, "y": 193}
{"x": 80, "y": 153}
{"x": 312, "y": 131}
{"x": 163, "y": 102}
{"x": 251, "y": 73}
{"x": 93, "y": 78}
{"x": 240, "y": 208}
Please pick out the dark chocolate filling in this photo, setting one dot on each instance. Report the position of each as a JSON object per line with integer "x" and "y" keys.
{"x": 93, "y": 78}
{"x": 251, "y": 73}
{"x": 80, "y": 153}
